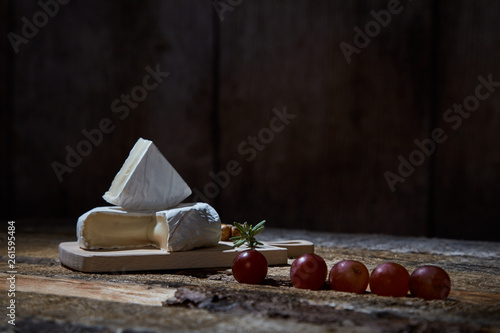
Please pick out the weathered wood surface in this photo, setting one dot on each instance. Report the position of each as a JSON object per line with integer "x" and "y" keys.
{"x": 68, "y": 77}
{"x": 52, "y": 298}
{"x": 5, "y": 90}
{"x": 467, "y": 182}
{"x": 103, "y": 291}
{"x": 323, "y": 171}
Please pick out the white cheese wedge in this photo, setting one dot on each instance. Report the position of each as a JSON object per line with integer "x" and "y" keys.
{"x": 182, "y": 228}
{"x": 147, "y": 181}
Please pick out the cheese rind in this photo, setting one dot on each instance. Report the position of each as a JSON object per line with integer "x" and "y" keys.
{"x": 191, "y": 226}
{"x": 179, "y": 229}
{"x": 147, "y": 181}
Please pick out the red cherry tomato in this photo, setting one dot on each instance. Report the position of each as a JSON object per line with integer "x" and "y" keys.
{"x": 349, "y": 276}
{"x": 389, "y": 279}
{"x": 308, "y": 271}
{"x": 430, "y": 282}
{"x": 250, "y": 266}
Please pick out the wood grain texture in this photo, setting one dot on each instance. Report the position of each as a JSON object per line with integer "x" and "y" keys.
{"x": 5, "y": 100}
{"x": 69, "y": 75}
{"x": 102, "y": 291}
{"x": 325, "y": 170}
{"x": 467, "y": 164}
{"x": 222, "y": 304}
{"x": 147, "y": 259}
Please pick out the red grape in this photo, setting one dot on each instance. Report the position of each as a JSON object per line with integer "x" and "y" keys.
{"x": 350, "y": 276}
{"x": 308, "y": 271}
{"x": 430, "y": 282}
{"x": 250, "y": 266}
{"x": 389, "y": 279}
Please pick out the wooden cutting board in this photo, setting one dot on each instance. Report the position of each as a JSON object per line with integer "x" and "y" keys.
{"x": 147, "y": 259}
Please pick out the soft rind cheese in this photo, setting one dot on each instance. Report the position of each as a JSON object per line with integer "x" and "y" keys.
{"x": 147, "y": 181}
{"x": 191, "y": 226}
{"x": 182, "y": 228}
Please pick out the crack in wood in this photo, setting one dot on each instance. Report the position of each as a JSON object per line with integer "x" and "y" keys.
{"x": 275, "y": 305}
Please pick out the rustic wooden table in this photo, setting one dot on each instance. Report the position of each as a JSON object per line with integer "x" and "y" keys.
{"x": 52, "y": 298}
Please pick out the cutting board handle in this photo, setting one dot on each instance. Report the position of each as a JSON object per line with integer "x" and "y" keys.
{"x": 296, "y": 247}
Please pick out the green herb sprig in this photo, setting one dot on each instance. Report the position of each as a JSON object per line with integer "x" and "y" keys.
{"x": 247, "y": 234}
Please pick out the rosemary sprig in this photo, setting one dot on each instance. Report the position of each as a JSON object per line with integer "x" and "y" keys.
{"x": 247, "y": 234}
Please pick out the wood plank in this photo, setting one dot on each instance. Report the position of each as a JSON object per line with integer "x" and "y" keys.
{"x": 146, "y": 259}
{"x": 476, "y": 297}
{"x": 179, "y": 115}
{"x": 473, "y": 304}
{"x": 467, "y": 181}
{"x": 295, "y": 248}
{"x": 325, "y": 169}
{"x": 5, "y": 100}
{"x": 98, "y": 290}
{"x": 72, "y": 71}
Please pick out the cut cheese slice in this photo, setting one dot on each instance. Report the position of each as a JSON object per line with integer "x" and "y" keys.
{"x": 182, "y": 228}
{"x": 147, "y": 181}
{"x": 113, "y": 227}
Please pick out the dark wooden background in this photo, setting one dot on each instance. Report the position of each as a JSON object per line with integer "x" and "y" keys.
{"x": 324, "y": 171}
